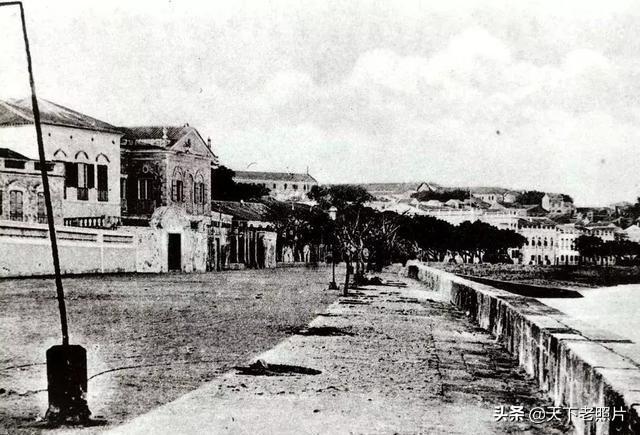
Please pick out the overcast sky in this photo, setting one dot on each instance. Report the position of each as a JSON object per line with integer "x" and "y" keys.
{"x": 539, "y": 95}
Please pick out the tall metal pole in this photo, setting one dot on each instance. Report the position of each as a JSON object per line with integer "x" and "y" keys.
{"x": 45, "y": 181}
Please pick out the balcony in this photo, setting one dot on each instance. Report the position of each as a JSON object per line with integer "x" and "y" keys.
{"x": 104, "y": 222}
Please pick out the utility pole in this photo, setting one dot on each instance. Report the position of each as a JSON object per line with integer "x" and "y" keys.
{"x": 66, "y": 364}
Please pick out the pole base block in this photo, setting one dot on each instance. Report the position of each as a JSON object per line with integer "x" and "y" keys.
{"x": 67, "y": 385}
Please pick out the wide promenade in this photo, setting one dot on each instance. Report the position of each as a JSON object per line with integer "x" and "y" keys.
{"x": 149, "y": 338}
{"x": 166, "y": 355}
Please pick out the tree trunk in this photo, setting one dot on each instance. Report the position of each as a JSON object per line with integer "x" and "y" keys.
{"x": 346, "y": 276}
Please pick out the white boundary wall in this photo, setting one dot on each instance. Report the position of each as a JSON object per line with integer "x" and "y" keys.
{"x": 25, "y": 250}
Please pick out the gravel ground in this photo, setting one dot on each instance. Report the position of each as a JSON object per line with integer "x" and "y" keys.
{"x": 388, "y": 359}
{"x": 149, "y": 338}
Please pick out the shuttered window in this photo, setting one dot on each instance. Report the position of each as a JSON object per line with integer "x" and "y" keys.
{"x": 42, "y": 210}
{"x": 144, "y": 188}
{"x": 15, "y": 205}
{"x": 103, "y": 183}
{"x": 177, "y": 191}
{"x": 70, "y": 174}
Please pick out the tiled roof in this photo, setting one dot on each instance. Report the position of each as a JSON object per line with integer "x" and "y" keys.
{"x": 536, "y": 221}
{"x": 18, "y": 112}
{"x": 488, "y": 190}
{"x": 244, "y": 211}
{"x": 6, "y": 153}
{"x": 274, "y": 176}
{"x": 155, "y": 133}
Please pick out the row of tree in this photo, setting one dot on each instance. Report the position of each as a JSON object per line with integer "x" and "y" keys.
{"x": 592, "y": 249}
{"x": 368, "y": 239}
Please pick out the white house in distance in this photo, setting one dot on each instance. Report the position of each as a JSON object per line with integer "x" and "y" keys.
{"x": 88, "y": 147}
{"x": 633, "y": 233}
{"x": 284, "y": 186}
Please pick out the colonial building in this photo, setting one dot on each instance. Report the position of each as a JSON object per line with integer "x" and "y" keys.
{"x": 283, "y": 186}
{"x": 566, "y": 252}
{"x": 492, "y": 195}
{"x": 165, "y": 166}
{"x": 252, "y": 238}
{"x": 21, "y": 192}
{"x": 605, "y": 231}
{"x": 556, "y": 203}
{"x": 540, "y": 245}
{"x": 88, "y": 148}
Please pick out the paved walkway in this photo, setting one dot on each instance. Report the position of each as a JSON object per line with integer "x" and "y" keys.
{"x": 406, "y": 362}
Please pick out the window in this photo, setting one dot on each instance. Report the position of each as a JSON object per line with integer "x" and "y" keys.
{"x": 15, "y": 205}
{"x": 85, "y": 180}
{"x": 14, "y": 164}
{"x": 177, "y": 191}
{"x": 103, "y": 183}
{"x": 274, "y": 185}
{"x": 123, "y": 188}
{"x": 42, "y": 210}
{"x": 285, "y": 186}
{"x": 199, "y": 193}
{"x": 144, "y": 188}
{"x": 70, "y": 176}
{"x": 295, "y": 186}
{"x": 48, "y": 166}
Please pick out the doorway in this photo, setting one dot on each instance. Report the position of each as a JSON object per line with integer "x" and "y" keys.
{"x": 175, "y": 252}
{"x": 218, "y": 256}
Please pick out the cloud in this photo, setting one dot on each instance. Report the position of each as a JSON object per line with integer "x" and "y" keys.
{"x": 364, "y": 90}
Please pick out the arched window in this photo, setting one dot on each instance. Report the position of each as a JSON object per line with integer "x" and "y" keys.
{"x": 16, "y": 205}
{"x": 200, "y": 191}
{"x": 177, "y": 186}
{"x": 42, "y": 210}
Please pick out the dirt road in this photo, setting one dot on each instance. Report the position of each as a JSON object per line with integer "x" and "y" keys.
{"x": 149, "y": 338}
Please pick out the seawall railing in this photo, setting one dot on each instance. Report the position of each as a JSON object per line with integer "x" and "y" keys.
{"x": 575, "y": 364}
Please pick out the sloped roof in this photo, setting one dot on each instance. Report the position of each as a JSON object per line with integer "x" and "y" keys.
{"x": 151, "y": 137}
{"x": 244, "y": 211}
{"x": 275, "y": 176}
{"x": 487, "y": 190}
{"x": 537, "y": 221}
{"x": 537, "y": 210}
{"x": 155, "y": 133}
{"x": 396, "y": 188}
{"x": 19, "y": 112}
{"x": 6, "y": 153}
{"x": 566, "y": 218}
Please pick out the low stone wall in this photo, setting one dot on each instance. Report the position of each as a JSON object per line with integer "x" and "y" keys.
{"x": 575, "y": 364}
{"x": 25, "y": 250}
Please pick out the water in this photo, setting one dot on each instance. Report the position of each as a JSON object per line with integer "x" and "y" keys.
{"x": 615, "y": 309}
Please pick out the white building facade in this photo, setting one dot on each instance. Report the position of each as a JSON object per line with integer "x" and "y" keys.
{"x": 88, "y": 148}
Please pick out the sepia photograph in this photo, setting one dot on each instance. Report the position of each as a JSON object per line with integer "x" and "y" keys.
{"x": 319, "y": 217}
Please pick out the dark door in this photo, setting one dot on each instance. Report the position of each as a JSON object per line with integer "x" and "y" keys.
{"x": 218, "y": 255}
{"x": 260, "y": 251}
{"x": 174, "y": 251}
{"x": 252, "y": 249}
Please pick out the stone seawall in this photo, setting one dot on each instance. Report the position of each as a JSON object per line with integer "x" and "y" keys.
{"x": 575, "y": 364}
